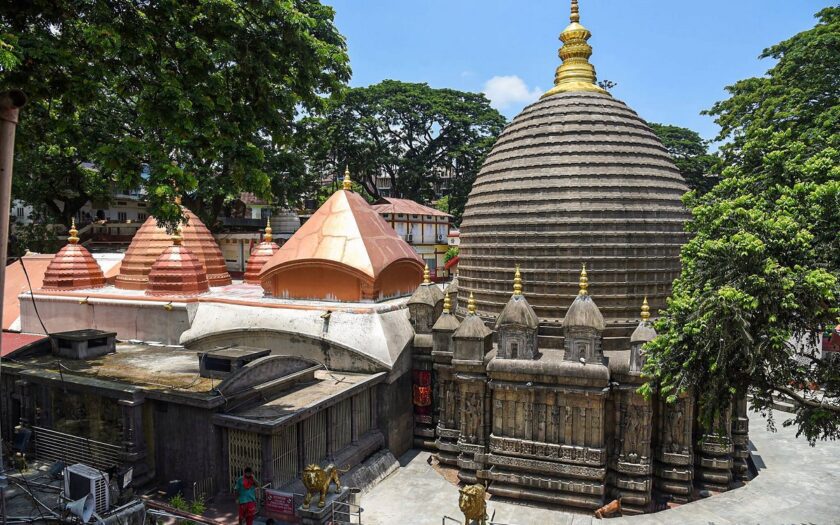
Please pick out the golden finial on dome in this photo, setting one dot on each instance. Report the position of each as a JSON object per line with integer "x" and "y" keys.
{"x": 447, "y": 304}
{"x": 267, "y": 237}
{"x": 645, "y": 310}
{"x": 575, "y": 73}
{"x": 471, "y": 305}
{"x": 517, "y": 282}
{"x": 427, "y": 278}
{"x": 584, "y": 281}
{"x": 347, "y": 183}
{"x": 176, "y": 236}
{"x": 74, "y": 233}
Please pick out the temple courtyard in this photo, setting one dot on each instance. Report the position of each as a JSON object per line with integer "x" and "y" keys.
{"x": 796, "y": 483}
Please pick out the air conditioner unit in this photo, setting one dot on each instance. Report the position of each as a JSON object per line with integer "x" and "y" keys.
{"x": 440, "y": 238}
{"x": 81, "y": 480}
{"x": 409, "y": 238}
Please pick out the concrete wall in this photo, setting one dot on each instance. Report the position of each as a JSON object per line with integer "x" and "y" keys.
{"x": 187, "y": 447}
{"x": 61, "y": 314}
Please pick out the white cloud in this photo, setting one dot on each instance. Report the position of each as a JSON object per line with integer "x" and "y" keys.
{"x": 509, "y": 90}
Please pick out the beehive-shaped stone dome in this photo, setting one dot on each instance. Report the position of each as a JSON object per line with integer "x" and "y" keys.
{"x": 73, "y": 267}
{"x": 150, "y": 242}
{"x": 576, "y": 177}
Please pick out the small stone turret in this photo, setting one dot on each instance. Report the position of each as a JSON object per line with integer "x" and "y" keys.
{"x": 644, "y": 333}
{"x": 452, "y": 290}
{"x": 446, "y": 431}
{"x": 425, "y": 304}
{"x": 443, "y": 329}
{"x": 472, "y": 339}
{"x": 517, "y": 325}
{"x": 583, "y": 326}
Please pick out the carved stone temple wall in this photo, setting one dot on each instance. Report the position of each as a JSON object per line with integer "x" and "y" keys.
{"x": 565, "y": 427}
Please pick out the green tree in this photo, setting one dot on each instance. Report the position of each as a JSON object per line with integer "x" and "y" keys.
{"x": 410, "y": 133}
{"x": 760, "y": 274}
{"x": 205, "y": 94}
{"x": 691, "y": 155}
{"x": 442, "y": 204}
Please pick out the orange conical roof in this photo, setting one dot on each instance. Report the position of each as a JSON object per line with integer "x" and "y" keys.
{"x": 177, "y": 272}
{"x": 259, "y": 255}
{"x": 150, "y": 242}
{"x": 345, "y": 236}
{"x": 73, "y": 267}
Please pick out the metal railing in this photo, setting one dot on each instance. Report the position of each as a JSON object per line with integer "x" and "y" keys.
{"x": 348, "y": 512}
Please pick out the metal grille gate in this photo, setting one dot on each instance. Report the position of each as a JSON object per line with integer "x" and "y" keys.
{"x": 51, "y": 445}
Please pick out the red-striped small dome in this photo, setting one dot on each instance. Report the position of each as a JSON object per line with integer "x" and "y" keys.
{"x": 259, "y": 255}
{"x": 150, "y": 241}
{"x": 73, "y": 267}
{"x": 177, "y": 271}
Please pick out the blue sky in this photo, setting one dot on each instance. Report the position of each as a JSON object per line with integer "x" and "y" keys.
{"x": 670, "y": 58}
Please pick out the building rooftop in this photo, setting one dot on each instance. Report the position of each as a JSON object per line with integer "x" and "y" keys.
{"x": 405, "y": 206}
{"x": 327, "y": 386}
{"x": 148, "y": 366}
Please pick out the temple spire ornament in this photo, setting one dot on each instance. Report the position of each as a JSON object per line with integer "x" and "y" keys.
{"x": 575, "y": 73}
{"x": 267, "y": 237}
{"x": 176, "y": 236}
{"x": 447, "y": 304}
{"x": 645, "y": 310}
{"x": 471, "y": 305}
{"x": 517, "y": 282}
{"x": 74, "y": 233}
{"x": 348, "y": 185}
{"x": 427, "y": 278}
{"x": 584, "y": 281}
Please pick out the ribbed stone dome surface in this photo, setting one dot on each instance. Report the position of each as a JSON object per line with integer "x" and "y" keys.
{"x": 576, "y": 177}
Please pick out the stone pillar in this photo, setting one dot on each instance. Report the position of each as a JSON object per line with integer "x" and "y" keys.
{"x": 740, "y": 439}
{"x": 714, "y": 454}
{"x": 267, "y": 464}
{"x": 27, "y": 403}
{"x": 631, "y": 465}
{"x": 674, "y": 467}
{"x": 133, "y": 438}
{"x": 472, "y": 436}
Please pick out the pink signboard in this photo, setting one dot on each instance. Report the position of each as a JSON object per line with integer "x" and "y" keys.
{"x": 280, "y": 505}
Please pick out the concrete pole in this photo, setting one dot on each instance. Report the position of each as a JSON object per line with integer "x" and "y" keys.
{"x": 10, "y": 104}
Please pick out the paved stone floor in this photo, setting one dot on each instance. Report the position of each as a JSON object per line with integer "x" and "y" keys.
{"x": 797, "y": 484}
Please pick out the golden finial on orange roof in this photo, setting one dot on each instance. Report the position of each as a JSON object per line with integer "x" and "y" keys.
{"x": 645, "y": 310}
{"x": 584, "y": 281}
{"x": 176, "y": 236}
{"x": 575, "y": 73}
{"x": 267, "y": 237}
{"x": 427, "y": 278}
{"x": 447, "y": 305}
{"x": 348, "y": 185}
{"x": 517, "y": 282}
{"x": 73, "y": 239}
{"x": 471, "y": 304}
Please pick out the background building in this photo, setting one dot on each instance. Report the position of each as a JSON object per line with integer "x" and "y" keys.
{"x": 425, "y": 229}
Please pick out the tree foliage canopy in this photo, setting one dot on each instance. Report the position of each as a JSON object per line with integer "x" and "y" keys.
{"x": 691, "y": 155}
{"x": 410, "y": 133}
{"x": 204, "y": 93}
{"x": 761, "y": 275}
